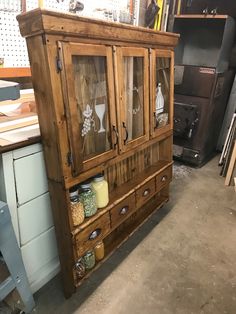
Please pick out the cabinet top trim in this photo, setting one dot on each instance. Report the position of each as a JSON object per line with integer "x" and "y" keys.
{"x": 41, "y": 21}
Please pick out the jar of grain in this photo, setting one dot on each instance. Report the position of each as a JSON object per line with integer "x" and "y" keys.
{"x": 100, "y": 187}
{"x": 99, "y": 251}
{"x": 89, "y": 260}
{"x": 88, "y": 198}
{"x": 77, "y": 209}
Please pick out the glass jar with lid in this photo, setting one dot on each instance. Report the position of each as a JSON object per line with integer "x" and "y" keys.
{"x": 77, "y": 209}
{"x": 89, "y": 260}
{"x": 99, "y": 251}
{"x": 100, "y": 186}
{"x": 80, "y": 269}
{"x": 88, "y": 198}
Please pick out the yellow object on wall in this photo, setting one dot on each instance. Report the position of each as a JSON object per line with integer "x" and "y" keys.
{"x": 157, "y": 25}
{"x": 40, "y": 3}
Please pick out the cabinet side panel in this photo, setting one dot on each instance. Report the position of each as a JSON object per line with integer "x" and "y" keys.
{"x": 60, "y": 206}
{"x": 48, "y": 103}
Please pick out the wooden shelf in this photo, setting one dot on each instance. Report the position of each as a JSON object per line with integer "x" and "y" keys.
{"x": 200, "y": 16}
{"x": 134, "y": 225}
{"x": 15, "y": 72}
{"x": 123, "y": 192}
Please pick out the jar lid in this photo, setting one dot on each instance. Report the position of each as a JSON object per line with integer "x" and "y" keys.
{"x": 98, "y": 177}
{"x": 73, "y": 191}
{"x": 85, "y": 185}
{"x": 89, "y": 253}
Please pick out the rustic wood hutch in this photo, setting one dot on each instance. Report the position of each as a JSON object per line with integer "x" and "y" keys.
{"x": 111, "y": 72}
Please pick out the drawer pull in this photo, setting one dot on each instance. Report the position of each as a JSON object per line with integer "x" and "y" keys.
{"x": 146, "y": 192}
{"x": 124, "y": 210}
{"x": 95, "y": 234}
{"x": 164, "y": 178}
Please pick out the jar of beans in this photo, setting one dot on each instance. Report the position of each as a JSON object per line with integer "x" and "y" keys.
{"x": 88, "y": 198}
{"x": 77, "y": 209}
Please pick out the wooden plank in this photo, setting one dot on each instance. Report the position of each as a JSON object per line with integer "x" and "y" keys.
{"x": 15, "y": 72}
{"x": 44, "y": 21}
{"x": 31, "y": 119}
{"x": 48, "y": 90}
{"x": 200, "y": 16}
{"x": 231, "y": 166}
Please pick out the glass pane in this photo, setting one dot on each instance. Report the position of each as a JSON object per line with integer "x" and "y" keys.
{"x": 162, "y": 103}
{"x": 133, "y": 96}
{"x": 92, "y": 103}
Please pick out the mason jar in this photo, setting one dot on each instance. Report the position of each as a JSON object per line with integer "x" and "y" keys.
{"x": 88, "y": 198}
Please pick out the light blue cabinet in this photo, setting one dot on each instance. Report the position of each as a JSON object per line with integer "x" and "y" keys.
{"x": 23, "y": 185}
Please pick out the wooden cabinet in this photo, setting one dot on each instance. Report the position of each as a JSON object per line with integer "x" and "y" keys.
{"x": 96, "y": 86}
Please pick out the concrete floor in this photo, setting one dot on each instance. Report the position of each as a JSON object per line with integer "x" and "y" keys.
{"x": 183, "y": 260}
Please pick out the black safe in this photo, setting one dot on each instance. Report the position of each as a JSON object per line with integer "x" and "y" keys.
{"x": 202, "y": 85}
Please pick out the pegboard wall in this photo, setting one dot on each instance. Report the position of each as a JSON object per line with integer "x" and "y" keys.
{"x": 12, "y": 45}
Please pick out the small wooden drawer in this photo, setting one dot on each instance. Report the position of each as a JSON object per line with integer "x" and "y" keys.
{"x": 121, "y": 211}
{"x": 145, "y": 192}
{"x": 163, "y": 178}
{"x": 87, "y": 238}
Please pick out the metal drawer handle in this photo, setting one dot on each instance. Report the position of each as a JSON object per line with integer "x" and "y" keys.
{"x": 164, "y": 178}
{"x": 146, "y": 192}
{"x": 95, "y": 234}
{"x": 124, "y": 210}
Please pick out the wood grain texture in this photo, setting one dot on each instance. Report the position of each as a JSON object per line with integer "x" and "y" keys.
{"x": 40, "y": 21}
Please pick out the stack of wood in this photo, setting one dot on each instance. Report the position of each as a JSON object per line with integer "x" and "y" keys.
{"x": 228, "y": 156}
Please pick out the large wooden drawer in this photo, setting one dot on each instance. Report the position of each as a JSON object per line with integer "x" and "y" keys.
{"x": 121, "y": 211}
{"x": 87, "y": 238}
{"x": 163, "y": 178}
{"x": 144, "y": 193}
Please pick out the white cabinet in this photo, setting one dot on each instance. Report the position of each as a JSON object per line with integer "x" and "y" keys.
{"x": 23, "y": 185}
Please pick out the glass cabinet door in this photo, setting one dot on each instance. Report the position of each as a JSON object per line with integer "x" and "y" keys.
{"x": 132, "y": 96}
{"x": 161, "y": 90}
{"x": 90, "y": 105}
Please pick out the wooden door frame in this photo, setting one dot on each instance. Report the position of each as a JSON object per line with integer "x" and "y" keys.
{"x": 119, "y": 53}
{"x": 67, "y": 50}
{"x": 154, "y": 53}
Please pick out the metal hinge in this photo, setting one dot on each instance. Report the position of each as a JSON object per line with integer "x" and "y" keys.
{"x": 58, "y": 64}
{"x": 69, "y": 159}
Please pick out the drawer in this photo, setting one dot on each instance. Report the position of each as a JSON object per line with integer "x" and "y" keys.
{"x": 145, "y": 192}
{"x": 87, "y": 238}
{"x": 30, "y": 177}
{"x": 39, "y": 252}
{"x": 163, "y": 178}
{"x": 121, "y": 211}
{"x": 30, "y": 227}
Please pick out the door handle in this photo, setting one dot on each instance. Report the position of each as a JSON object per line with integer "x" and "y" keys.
{"x": 117, "y": 135}
{"x": 126, "y": 132}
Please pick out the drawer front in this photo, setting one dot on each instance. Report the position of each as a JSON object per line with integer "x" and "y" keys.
{"x": 30, "y": 177}
{"x": 121, "y": 211}
{"x": 163, "y": 178}
{"x": 145, "y": 192}
{"x": 39, "y": 252}
{"x": 30, "y": 227}
{"x": 87, "y": 238}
